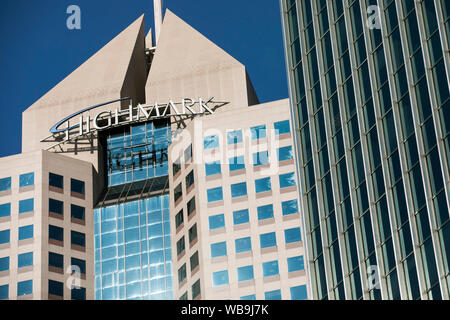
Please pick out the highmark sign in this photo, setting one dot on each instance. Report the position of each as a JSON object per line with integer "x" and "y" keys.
{"x": 140, "y": 113}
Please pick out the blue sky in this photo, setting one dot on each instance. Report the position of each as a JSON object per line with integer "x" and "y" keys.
{"x": 38, "y": 50}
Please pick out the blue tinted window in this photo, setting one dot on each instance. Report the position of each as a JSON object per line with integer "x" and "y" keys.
{"x": 240, "y": 217}
{"x": 56, "y": 206}
{"x": 249, "y": 297}
{"x": 282, "y": 127}
{"x": 77, "y": 212}
{"x": 295, "y": 263}
{"x": 292, "y": 235}
{"x": 5, "y": 184}
{"x": 26, "y": 232}
{"x": 188, "y": 153}
{"x": 287, "y": 180}
{"x": 26, "y": 205}
{"x": 245, "y": 273}
{"x": 238, "y": 189}
{"x": 260, "y": 158}
{"x": 26, "y": 179}
{"x": 258, "y": 132}
{"x": 299, "y": 293}
{"x": 55, "y": 180}
{"x": 78, "y": 293}
{"x": 5, "y": 210}
{"x": 285, "y": 153}
{"x": 220, "y": 278}
{"x": 289, "y": 207}
{"x": 265, "y": 212}
{"x": 56, "y": 260}
{"x": 268, "y": 240}
{"x": 236, "y": 163}
{"x": 25, "y": 260}
{"x": 270, "y": 268}
{"x": 273, "y": 295}
{"x": 4, "y": 264}
{"x": 217, "y": 221}
{"x": 55, "y": 288}
{"x": 80, "y": 264}
{"x": 212, "y": 168}
{"x": 211, "y": 142}
{"x": 77, "y": 186}
{"x": 243, "y": 244}
{"x": 78, "y": 238}
{"x": 234, "y": 136}
{"x": 218, "y": 249}
{"x": 24, "y": 288}
{"x": 55, "y": 233}
{"x": 214, "y": 194}
{"x": 4, "y": 292}
{"x": 4, "y": 236}
{"x": 262, "y": 185}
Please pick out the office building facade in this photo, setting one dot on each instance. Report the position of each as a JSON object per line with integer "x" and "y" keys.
{"x": 369, "y": 91}
{"x": 108, "y": 194}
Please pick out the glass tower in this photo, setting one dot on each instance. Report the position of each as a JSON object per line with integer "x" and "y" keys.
{"x": 132, "y": 221}
{"x": 369, "y": 89}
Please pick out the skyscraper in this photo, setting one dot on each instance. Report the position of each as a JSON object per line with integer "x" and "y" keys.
{"x": 369, "y": 90}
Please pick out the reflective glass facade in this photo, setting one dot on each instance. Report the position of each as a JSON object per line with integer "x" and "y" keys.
{"x": 369, "y": 89}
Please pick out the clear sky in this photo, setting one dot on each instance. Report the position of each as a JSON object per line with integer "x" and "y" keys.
{"x": 38, "y": 50}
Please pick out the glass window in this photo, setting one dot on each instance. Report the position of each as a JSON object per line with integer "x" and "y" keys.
{"x": 26, "y": 232}
{"x": 78, "y": 293}
{"x": 249, "y": 297}
{"x": 4, "y": 236}
{"x": 77, "y": 186}
{"x": 220, "y": 278}
{"x": 234, "y": 137}
{"x": 214, "y": 194}
{"x": 238, "y": 189}
{"x": 4, "y": 264}
{"x": 265, "y": 212}
{"x": 292, "y": 235}
{"x": 243, "y": 244}
{"x": 55, "y": 180}
{"x": 285, "y": 153}
{"x": 191, "y": 206}
{"x": 236, "y": 163}
{"x": 4, "y": 292}
{"x": 287, "y": 180}
{"x": 189, "y": 179}
{"x": 268, "y": 240}
{"x": 55, "y": 288}
{"x": 216, "y": 222}
{"x": 245, "y": 273}
{"x": 260, "y": 158}
{"x": 212, "y": 168}
{"x": 196, "y": 289}
{"x": 177, "y": 192}
{"x": 25, "y": 259}
{"x": 273, "y": 295}
{"x": 56, "y": 260}
{"x": 282, "y": 127}
{"x": 5, "y": 184}
{"x": 192, "y": 233}
{"x": 258, "y": 132}
{"x": 289, "y": 207}
{"x": 188, "y": 154}
{"x": 262, "y": 185}
{"x": 55, "y": 233}
{"x": 77, "y": 212}
{"x": 179, "y": 219}
{"x": 295, "y": 263}
{"x": 81, "y": 264}
{"x": 5, "y": 210}
{"x": 184, "y": 296}
{"x": 56, "y": 206}
{"x": 176, "y": 166}
{"x": 299, "y": 293}
{"x": 26, "y": 205}
{"x": 180, "y": 245}
{"x": 194, "y": 260}
{"x": 24, "y": 288}
{"x": 218, "y": 249}
{"x": 182, "y": 273}
{"x": 270, "y": 268}
{"x": 240, "y": 216}
{"x": 211, "y": 142}
{"x": 26, "y": 179}
{"x": 78, "y": 238}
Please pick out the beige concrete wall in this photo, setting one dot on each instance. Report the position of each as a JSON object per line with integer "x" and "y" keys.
{"x": 220, "y": 123}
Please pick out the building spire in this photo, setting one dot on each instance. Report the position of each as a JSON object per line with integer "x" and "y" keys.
{"x": 158, "y": 10}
